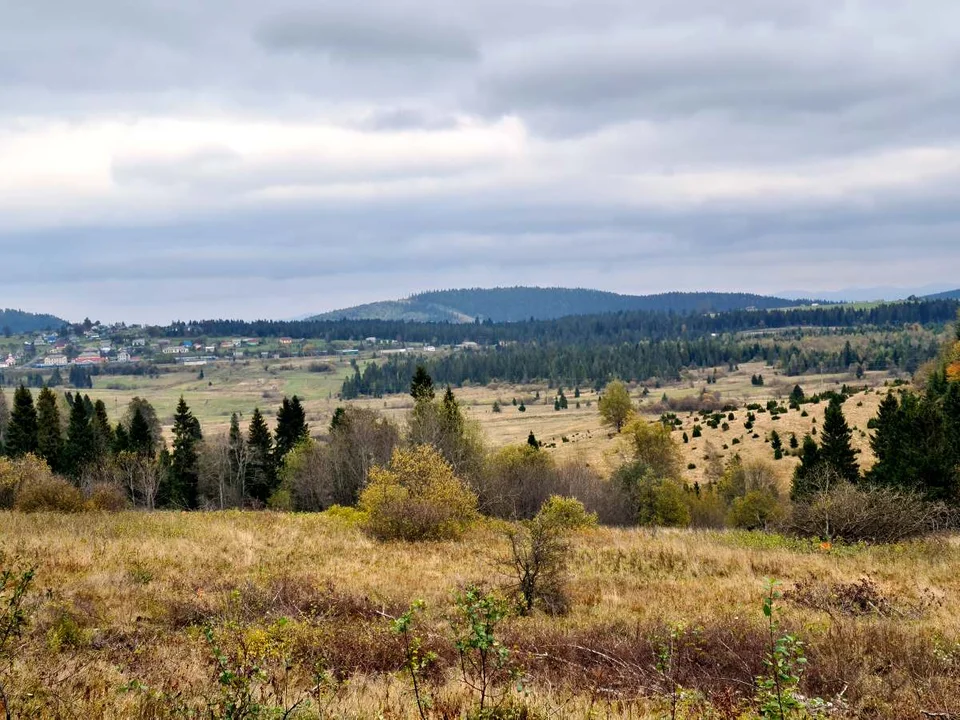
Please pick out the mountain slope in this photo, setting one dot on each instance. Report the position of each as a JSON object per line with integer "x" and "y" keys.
{"x": 523, "y": 303}
{"x": 18, "y": 321}
{"x": 949, "y": 295}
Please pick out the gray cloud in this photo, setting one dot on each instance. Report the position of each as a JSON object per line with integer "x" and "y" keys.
{"x": 336, "y": 154}
{"x": 351, "y": 35}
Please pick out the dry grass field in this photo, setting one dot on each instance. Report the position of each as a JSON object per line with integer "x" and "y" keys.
{"x": 121, "y": 602}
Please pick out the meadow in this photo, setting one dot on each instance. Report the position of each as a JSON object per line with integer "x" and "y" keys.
{"x": 140, "y": 615}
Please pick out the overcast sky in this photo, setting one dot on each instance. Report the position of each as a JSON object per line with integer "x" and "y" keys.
{"x": 177, "y": 159}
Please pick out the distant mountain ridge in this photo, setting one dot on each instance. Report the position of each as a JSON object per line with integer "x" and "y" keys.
{"x": 948, "y": 295}
{"x": 18, "y": 321}
{"x": 514, "y": 304}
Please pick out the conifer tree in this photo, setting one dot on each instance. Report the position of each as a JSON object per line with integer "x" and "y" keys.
{"x": 4, "y": 420}
{"x": 121, "y": 440}
{"x": 78, "y": 449}
{"x": 22, "y": 427}
{"x": 140, "y": 439}
{"x": 421, "y": 386}
{"x": 103, "y": 438}
{"x": 835, "y": 448}
{"x": 182, "y": 479}
{"x": 291, "y": 429}
{"x": 49, "y": 437}
{"x": 803, "y": 475}
{"x": 261, "y": 475}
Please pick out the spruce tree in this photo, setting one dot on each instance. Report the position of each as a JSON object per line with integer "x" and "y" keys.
{"x": 121, "y": 440}
{"x": 261, "y": 475}
{"x": 49, "y": 437}
{"x": 183, "y": 477}
{"x": 421, "y": 386}
{"x": 292, "y": 428}
{"x": 835, "y": 448}
{"x": 803, "y": 475}
{"x": 103, "y": 437}
{"x": 140, "y": 439}
{"x": 79, "y": 449}
{"x": 4, "y": 420}
{"x": 22, "y": 427}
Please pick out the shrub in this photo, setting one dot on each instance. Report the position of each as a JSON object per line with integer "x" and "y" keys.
{"x": 51, "y": 494}
{"x": 853, "y": 514}
{"x": 417, "y": 497}
{"x": 107, "y": 497}
{"x": 757, "y": 510}
{"x": 346, "y": 514}
{"x": 15, "y": 474}
{"x": 566, "y": 513}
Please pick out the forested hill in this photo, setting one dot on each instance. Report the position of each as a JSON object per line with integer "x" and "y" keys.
{"x": 949, "y": 295}
{"x": 603, "y": 329}
{"x": 514, "y": 304}
{"x": 18, "y": 321}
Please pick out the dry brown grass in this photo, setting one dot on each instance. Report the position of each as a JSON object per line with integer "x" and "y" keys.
{"x": 121, "y": 598}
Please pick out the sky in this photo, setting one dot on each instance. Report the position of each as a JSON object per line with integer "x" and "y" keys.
{"x": 174, "y": 159}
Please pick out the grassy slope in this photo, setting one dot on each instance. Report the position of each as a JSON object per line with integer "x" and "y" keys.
{"x": 126, "y": 594}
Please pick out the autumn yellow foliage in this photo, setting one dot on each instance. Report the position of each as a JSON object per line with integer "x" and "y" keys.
{"x": 418, "y": 497}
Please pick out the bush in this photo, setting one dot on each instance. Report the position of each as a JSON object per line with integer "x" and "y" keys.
{"x": 107, "y": 497}
{"x": 566, "y": 514}
{"x": 854, "y": 514}
{"x": 51, "y": 494}
{"x": 15, "y": 474}
{"x": 757, "y": 510}
{"x": 346, "y": 514}
{"x": 417, "y": 497}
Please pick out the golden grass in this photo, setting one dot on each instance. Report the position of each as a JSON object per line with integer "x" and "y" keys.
{"x": 137, "y": 587}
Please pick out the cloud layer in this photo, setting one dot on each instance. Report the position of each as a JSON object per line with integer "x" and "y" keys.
{"x": 236, "y": 158}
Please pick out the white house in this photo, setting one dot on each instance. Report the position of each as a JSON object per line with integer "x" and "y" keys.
{"x": 175, "y": 350}
{"x": 9, "y": 362}
{"x": 123, "y": 356}
{"x": 138, "y": 342}
{"x": 55, "y": 361}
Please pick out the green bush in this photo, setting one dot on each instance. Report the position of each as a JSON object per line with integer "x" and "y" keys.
{"x": 566, "y": 513}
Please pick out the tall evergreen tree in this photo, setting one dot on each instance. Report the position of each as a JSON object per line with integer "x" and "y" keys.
{"x": 49, "y": 434}
{"x": 103, "y": 437}
{"x": 261, "y": 474}
{"x": 140, "y": 439}
{"x": 79, "y": 449}
{"x": 292, "y": 428}
{"x": 4, "y": 420}
{"x": 835, "y": 448}
{"x": 421, "y": 386}
{"x": 182, "y": 480}
{"x": 121, "y": 440}
{"x": 803, "y": 475}
{"x": 22, "y": 427}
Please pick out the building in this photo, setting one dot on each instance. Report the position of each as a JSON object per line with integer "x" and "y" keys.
{"x": 89, "y": 358}
{"x": 55, "y": 361}
{"x": 175, "y": 350}
{"x": 138, "y": 342}
{"x": 9, "y": 362}
{"x": 286, "y": 341}
{"x": 123, "y": 356}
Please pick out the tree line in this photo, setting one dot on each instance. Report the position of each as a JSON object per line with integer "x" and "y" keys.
{"x": 595, "y": 365}
{"x": 74, "y": 437}
{"x": 603, "y": 329}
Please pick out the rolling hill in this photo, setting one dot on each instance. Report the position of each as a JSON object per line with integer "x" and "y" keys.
{"x": 949, "y": 295}
{"x": 514, "y": 304}
{"x": 18, "y": 321}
